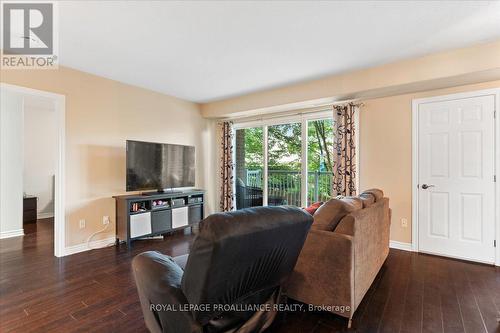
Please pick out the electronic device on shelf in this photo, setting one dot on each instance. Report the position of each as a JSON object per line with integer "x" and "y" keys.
{"x": 193, "y": 200}
{"x": 159, "y": 166}
{"x": 178, "y": 202}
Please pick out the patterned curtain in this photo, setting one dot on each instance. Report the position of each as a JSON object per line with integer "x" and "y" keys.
{"x": 226, "y": 171}
{"x": 344, "y": 150}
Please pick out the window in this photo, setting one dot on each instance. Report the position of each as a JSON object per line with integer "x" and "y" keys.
{"x": 284, "y": 161}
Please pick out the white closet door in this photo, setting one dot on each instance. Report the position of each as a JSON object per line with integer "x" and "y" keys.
{"x": 456, "y": 160}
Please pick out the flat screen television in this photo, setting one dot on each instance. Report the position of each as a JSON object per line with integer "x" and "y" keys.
{"x": 159, "y": 166}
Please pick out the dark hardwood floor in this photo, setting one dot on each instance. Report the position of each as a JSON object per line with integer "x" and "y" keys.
{"x": 94, "y": 291}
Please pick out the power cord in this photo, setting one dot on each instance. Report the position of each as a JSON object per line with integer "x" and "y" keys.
{"x": 96, "y": 233}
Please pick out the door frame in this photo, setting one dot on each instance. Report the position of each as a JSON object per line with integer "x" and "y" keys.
{"x": 60, "y": 183}
{"x": 415, "y": 122}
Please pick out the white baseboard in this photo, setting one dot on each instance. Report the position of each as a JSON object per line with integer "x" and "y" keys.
{"x": 408, "y": 247}
{"x": 40, "y": 216}
{"x": 400, "y": 245}
{"x": 69, "y": 250}
{"x": 12, "y": 233}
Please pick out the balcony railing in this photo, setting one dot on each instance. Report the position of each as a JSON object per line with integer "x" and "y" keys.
{"x": 284, "y": 186}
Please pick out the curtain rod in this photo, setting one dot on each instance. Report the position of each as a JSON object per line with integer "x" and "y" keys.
{"x": 297, "y": 112}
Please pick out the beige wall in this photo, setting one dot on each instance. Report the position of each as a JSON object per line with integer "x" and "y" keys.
{"x": 386, "y": 150}
{"x": 100, "y": 115}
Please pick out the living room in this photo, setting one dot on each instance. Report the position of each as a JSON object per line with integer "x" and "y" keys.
{"x": 378, "y": 118}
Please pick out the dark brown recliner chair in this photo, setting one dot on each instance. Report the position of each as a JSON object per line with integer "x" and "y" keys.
{"x": 239, "y": 258}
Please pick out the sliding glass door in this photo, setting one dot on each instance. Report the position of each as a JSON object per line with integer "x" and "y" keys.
{"x": 249, "y": 167}
{"x": 284, "y": 154}
{"x": 319, "y": 160}
{"x": 284, "y": 163}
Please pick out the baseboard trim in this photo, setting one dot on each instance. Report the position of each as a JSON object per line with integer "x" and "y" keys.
{"x": 12, "y": 233}
{"x": 93, "y": 245}
{"x": 400, "y": 245}
{"x": 40, "y": 216}
{"x": 408, "y": 247}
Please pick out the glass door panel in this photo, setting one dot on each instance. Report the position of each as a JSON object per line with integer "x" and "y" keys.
{"x": 284, "y": 164}
{"x": 319, "y": 160}
{"x": 249, "y": 167}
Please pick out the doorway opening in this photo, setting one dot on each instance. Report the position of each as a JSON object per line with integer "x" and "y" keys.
{"x": 32, "y": 131}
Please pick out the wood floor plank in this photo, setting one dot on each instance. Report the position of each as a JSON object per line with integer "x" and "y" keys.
{"x": 469, "y": 309}
{"x": 432, "y": 317}
{"x": 452, "y": 316}
{"x": 392, "y": 317}
{"x": 483, "y": 296}
{"x": 413, "y": 307}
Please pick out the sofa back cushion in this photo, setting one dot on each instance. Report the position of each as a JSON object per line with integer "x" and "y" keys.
{"x": 377, "y": 194}
{"x": 368, "y": 199}
{"x": 331, "y": 212}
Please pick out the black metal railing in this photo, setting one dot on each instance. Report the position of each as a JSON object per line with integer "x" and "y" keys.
{"x": 284, "y": 186}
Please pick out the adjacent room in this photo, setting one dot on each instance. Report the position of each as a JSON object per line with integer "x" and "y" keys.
{"x": 39, "y": 165}
{"x": 250, "y": 166}
{"x": 30, "y": 145}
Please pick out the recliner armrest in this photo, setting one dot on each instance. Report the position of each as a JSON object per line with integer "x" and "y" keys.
{"x": 158, "y": 280}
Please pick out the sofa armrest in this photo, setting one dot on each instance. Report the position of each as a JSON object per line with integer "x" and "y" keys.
{"x": 158, "y": 279}
{"x": 371, "y": 230}
{"x": 323, "y": 274}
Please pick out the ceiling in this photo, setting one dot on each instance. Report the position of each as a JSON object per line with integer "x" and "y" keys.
{"x": 211, "y": 50}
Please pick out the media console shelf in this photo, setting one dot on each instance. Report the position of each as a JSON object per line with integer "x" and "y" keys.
{"x": 139, "y": 216}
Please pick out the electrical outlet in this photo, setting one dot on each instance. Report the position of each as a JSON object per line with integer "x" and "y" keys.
{"x": 82, "y": 224}
{"x": 404, "y": 223}
{"x": 105, "y": 220}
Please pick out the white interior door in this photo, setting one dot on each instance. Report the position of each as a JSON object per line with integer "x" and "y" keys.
{"x": 456, "y": 168}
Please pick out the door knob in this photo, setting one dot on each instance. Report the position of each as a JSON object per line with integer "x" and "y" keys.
{"x": 425, "y": 186}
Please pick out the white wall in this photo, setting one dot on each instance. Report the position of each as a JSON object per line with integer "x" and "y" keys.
{"x": 11, "y": 164}
{"x": 40, "y": 149}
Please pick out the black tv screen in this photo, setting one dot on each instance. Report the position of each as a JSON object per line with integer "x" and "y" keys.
{"x": 157, "y": 166}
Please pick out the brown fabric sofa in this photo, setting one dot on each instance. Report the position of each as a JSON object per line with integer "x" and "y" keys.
{"x": 338, "y": 264}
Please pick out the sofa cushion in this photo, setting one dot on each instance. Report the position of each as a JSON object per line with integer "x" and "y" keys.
{"x": 331, "y": 212}
{"x": 346, "y": 225}
{"x": 354, "y": 201}
{"x": 378, "y": 194}
{"x": 368, "y": 199}
{"x": 313, "y": 208}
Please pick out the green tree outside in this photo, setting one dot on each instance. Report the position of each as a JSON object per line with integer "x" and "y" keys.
{"x": 284, "y": 150}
